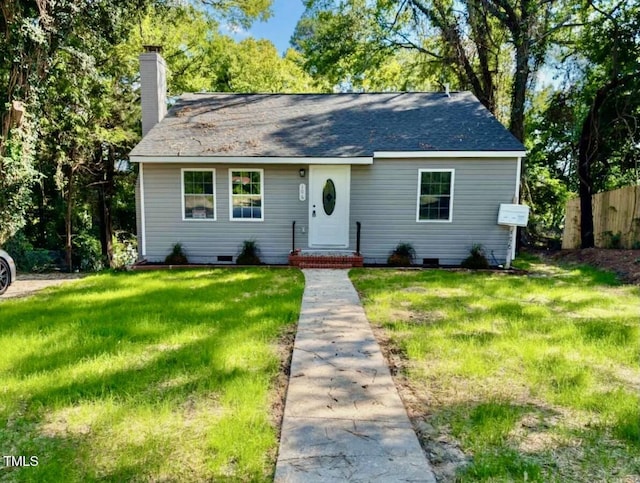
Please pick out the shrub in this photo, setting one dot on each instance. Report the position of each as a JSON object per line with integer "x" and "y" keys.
{"x": 402, "y": 255}
{"x": 249, "y": 253}
{"x": 125, "y": 251}
{"x": 87, "y": 252}
{"x": 38, "y": 260}
{"x": 177, "y": 256}
{"x": 612, "y": 240}
{"x": 477, "y": 259}
{"x": 27, "y": 258}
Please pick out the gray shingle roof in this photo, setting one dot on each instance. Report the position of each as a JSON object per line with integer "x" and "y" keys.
{"x": 324, "y": 125}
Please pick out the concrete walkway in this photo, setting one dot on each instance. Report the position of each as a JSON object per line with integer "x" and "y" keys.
{"x": 343, "y": 419}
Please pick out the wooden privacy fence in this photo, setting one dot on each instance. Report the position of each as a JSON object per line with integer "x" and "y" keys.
{"x": 616, "y": 216}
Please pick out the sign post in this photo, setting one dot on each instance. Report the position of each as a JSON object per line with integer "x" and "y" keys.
{"x": 512, "y": 216}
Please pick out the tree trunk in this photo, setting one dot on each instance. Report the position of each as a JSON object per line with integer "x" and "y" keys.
{"x": 67, "y": 222}
{"x": 587, "y": 149}
{"x": 105, "y": 201}
{"x": 482, "y": 87}
{"x": 519, "y": 95}
{"x": 41, "y": 230}
{"x": 478, "y": 15}
{"x": 516, "y": 122}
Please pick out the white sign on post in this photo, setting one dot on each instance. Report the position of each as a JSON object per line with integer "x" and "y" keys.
{"x": 513, "y": 215}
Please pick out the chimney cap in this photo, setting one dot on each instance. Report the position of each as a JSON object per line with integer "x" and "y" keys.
{"x": 153, "y": 48}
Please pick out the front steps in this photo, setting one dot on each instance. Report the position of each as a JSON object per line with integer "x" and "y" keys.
{"x": 325, "y": 259}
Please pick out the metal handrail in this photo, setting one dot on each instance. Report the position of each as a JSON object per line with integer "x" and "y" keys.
{"x": 293, "y": 237}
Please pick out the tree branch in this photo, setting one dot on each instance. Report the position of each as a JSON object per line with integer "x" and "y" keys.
{"x": 503, "y": 12}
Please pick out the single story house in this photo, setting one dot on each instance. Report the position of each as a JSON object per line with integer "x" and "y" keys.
{"x": 430, "y": 169}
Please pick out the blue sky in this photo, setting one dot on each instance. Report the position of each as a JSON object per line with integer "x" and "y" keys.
{"x": 280, "y": 26}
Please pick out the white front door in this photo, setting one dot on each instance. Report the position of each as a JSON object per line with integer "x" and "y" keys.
{"x": 329, "y": 199}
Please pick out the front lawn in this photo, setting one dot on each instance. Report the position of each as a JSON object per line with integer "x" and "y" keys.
{"x": 156, "y": 376}
{"x": 515, "y": 378}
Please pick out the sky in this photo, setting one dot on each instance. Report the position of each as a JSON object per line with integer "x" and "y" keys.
{"x": 279, "y": 27}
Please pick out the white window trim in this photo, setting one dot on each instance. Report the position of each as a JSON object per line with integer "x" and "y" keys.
{"x": 215, "y": 200}
{"x": 250, "y": 220}
{"x": 453, "y": 182}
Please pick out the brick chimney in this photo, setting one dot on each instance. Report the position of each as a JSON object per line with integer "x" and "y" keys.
{"x": 153, "y": 87}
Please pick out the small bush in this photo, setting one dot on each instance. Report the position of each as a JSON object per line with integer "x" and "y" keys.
{"x": 402, "y": 255}
{"x": 38, "y": 260}
{"x": 249, "y": 253}
{"x": 125, "y": 251}
{"x": 476, "y": 260}
{"x": 177, "y": 256}
{"x": 612, "y": 240}
{"x": 87, "y": 252}
{"x": 27, "y": 258}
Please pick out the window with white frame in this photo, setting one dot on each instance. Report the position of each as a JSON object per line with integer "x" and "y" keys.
{"x": 435, "y": 194}
{"x": 246, "y": 194}
{"x": 198, "y": 194}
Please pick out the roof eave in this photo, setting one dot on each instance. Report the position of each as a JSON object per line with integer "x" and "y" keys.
{"x": 357, "y": 160}
{"x": 297, "y": 160}
{"x": 449, "y": 154}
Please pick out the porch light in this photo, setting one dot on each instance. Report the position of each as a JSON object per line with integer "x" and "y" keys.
{"x": 302, "y": 172}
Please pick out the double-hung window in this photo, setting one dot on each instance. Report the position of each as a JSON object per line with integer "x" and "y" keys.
{"x": 198, "y": 194}
{"x": 246, "y": 188}
{"x": 435, "y": 195}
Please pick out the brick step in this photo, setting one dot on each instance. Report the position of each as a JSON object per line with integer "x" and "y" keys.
{"x": 325, "y": 261}
{"x": 324, "y": 265}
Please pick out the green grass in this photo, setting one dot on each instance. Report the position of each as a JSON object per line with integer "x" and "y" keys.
{"x": 536, "y": 376}
{"x": 146, "y": 376}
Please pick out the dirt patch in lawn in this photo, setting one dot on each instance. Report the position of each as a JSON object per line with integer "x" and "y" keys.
{"x": 281, "y": 383}
{"x": 442, "y": 450}
{"x": 625, "y": 263}
{"x": 27, "y": 284}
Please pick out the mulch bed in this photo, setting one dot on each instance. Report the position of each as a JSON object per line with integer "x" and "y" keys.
{"x": 625, "y": 263}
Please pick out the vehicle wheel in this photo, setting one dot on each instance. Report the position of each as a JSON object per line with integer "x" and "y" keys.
{"x": 5, "y": 276}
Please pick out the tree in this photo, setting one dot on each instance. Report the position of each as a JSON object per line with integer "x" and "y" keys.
{"x": 17, "y": 172}
{"x": 493, "y": 47}
{"x": 200, "y": 59}
{"x": 58, "y": 58}
{"x": 585, "y": 135}
{"x": 347, "y": 47}
{"x": 21, "y": 46}
{"x": 610, "y": 42}
{"x": 34, "y": 33}
{"x": 551, "y": 162}
{"x": 531, "y": 25}
{"x": 255, "y": 66}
